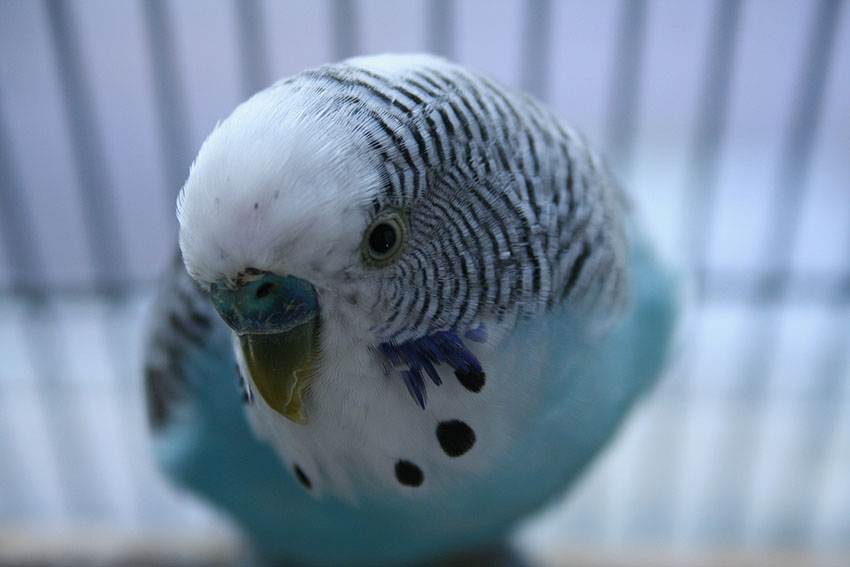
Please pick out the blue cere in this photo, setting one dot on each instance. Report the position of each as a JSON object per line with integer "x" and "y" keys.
{"x": 268, "y": 304}
{"x": 422, "y": 355}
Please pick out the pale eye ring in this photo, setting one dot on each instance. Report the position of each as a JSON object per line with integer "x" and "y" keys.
{"x": 384, "y": 239}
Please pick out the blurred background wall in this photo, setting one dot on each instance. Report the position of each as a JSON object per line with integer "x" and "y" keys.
{"x": 728, "y": 121}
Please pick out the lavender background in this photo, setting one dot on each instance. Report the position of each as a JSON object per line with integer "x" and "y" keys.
{"x": 728, "y": 121}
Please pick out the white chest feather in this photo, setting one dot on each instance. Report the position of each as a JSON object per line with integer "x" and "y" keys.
{"x": 366, "y": 433}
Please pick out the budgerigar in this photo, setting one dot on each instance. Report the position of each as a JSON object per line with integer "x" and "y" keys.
{"x": 414, "y": 307}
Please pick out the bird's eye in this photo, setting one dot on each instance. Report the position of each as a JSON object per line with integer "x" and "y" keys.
{"x": 384, "y": 239}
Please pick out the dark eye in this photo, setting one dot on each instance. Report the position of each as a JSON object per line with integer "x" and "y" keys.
{"x": 384, "y": 239}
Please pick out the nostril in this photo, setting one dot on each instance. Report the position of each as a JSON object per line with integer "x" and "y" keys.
{"x": 264, "y": 290}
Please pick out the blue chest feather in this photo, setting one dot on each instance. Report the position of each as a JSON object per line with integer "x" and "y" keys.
{"x": 421, "y": 356}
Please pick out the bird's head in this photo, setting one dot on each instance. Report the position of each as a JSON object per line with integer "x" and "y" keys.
{"x": 278, "y": 187}
{"x": 283, "y": 215}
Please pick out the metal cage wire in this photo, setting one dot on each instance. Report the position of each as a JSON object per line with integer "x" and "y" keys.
{"x": 729, "y": 121}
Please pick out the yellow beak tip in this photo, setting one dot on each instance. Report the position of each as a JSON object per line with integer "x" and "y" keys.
{"x": 282, "y": 367}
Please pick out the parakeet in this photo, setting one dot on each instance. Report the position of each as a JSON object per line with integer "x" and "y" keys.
{"x": 411, "y": 307}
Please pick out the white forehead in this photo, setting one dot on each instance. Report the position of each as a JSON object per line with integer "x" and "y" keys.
{"x": 280, "y": 181}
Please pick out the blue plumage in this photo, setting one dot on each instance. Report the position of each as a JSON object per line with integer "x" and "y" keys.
{"x": 209, "y": 447}
{"x": 363, "y": 229}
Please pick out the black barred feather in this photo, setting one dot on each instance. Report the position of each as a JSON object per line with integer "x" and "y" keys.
{"x": 181, "y": 323}
{"x": 511, "y": 213}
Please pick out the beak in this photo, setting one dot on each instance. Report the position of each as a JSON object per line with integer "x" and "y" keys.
{"x": 277, "y": 321}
